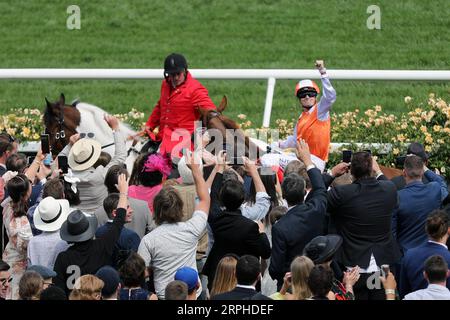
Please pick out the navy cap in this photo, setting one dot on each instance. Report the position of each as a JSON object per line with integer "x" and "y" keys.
{"x": 110, "y": 277}
{"x": 46, "y": 273}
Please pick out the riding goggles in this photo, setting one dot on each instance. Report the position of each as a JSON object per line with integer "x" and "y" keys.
{"x": 310, "y": 94}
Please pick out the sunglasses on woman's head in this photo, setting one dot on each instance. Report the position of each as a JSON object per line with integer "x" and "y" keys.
{"x": 88, "y": 135}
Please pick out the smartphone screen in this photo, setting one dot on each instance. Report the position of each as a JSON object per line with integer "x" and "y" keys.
{"x": 63, "y": 164}
{"x": 347, "y": 156}
{"x": 45, "y": 143}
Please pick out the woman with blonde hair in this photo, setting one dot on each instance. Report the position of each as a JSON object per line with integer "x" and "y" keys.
{"x": 296, "y": 280}
{"x": 225, "y": 278}
{"x": 87, "y": 287}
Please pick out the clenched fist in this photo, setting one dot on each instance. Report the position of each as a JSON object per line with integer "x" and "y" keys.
{"x": 320, "y": 66}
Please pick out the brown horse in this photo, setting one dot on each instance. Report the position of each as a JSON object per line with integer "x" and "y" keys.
{"x": 217, "y": 120}
{"x": 391, "y": 172}
{"x": 61, "y": 121}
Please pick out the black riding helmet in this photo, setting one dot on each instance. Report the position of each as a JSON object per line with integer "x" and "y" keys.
{"x": 174, "y": 63}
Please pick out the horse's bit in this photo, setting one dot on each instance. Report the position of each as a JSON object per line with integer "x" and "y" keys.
{"x": 61, "y": 134}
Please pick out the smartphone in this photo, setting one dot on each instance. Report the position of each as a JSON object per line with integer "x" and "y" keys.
{"x": 347, "y": 156}
{"x": 30, "y": 160}
{"x": 368, "y": 151}
{"x": 48, "y": 160}
{"x": 63, "y": 164}
{"x": 45, "y": 143}
{"x": 385, "y": 269}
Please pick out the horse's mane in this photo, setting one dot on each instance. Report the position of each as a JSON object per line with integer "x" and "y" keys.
{"x": 229, "y": 123}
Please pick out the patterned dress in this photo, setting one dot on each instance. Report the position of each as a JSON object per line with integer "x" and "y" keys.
{"x": 15, "y": 254}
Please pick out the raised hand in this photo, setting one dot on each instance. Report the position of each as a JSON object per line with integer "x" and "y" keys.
{"x": 303, "y": 152}
{"x": 112, "y": 121}
{"x": 74, "y": 138}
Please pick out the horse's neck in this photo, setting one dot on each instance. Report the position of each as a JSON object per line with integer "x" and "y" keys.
{"x": 92, "y": 121}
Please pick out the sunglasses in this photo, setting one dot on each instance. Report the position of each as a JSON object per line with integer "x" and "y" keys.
{"x": 304, "y": 94}
{"x": 89, "y": 135}
{"x": 5, "y": 280}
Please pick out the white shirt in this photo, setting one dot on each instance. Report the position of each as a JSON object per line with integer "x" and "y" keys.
{"x": 432, "y": 292}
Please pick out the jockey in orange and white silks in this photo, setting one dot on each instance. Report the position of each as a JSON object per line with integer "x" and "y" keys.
{"x": 314, "y": 123}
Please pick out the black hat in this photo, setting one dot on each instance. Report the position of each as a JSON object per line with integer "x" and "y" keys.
{"x": 78, "y": 227}
{"x": 322, "y": 248}
{"x": 417, "y": 149}
{"x": 174, "y": 63}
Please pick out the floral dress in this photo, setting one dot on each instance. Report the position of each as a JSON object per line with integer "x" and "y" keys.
{"x": 15, "y": 254}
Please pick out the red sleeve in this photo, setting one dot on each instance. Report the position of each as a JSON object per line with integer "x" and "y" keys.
{"x": 201, "y": 98}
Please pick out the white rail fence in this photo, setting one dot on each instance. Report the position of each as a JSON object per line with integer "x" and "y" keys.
{"x": 271, "y": 75}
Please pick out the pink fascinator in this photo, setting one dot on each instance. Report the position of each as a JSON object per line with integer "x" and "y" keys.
{"x": 157, "y": 162}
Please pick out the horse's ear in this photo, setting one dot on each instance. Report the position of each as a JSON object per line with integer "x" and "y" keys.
{"x": 48, "y": 102}
{"x": 62, "y": 99}
{"x": 223, "y": 104}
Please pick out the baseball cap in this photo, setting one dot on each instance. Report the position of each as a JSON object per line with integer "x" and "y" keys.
{"x": 189, "y": 276}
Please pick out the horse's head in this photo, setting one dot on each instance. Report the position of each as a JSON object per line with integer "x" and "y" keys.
{"x": 61, "y": 121}
{"x": 216, "y": 120}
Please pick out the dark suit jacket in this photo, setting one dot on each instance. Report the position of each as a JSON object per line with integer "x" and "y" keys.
{"x": 411, "y": 274}
{"x": 240, "y": 294}
{"x": 233, "y": 233}
{"x": 416, "y": 201}
{"x": 361, "y": 213}
{"x": 298, "y": 227}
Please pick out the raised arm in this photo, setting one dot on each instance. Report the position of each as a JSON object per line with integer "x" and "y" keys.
{"x": 328, "y": 93}
{"x": 250, "y": 167}
{"x": 34, "y": 167}
{"x": 120, "y": 153}
{"x": 200, "y": 184}
{"x": 431, "y": 176}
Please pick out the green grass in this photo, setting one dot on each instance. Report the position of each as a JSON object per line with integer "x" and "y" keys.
{"x": 224, "y": 34}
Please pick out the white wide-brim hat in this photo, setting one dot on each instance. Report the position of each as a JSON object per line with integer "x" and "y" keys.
{"x": 83, "y": 154}
{"x": 50, "y": 214}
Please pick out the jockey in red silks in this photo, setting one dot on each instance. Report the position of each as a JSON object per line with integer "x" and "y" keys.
{"x": 314, "y": 123}
{"x": 178, "y": 107}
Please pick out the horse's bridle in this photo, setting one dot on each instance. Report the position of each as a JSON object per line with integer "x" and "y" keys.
{"x": 61, "y": 134}
{"x": 211, "y": 115}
